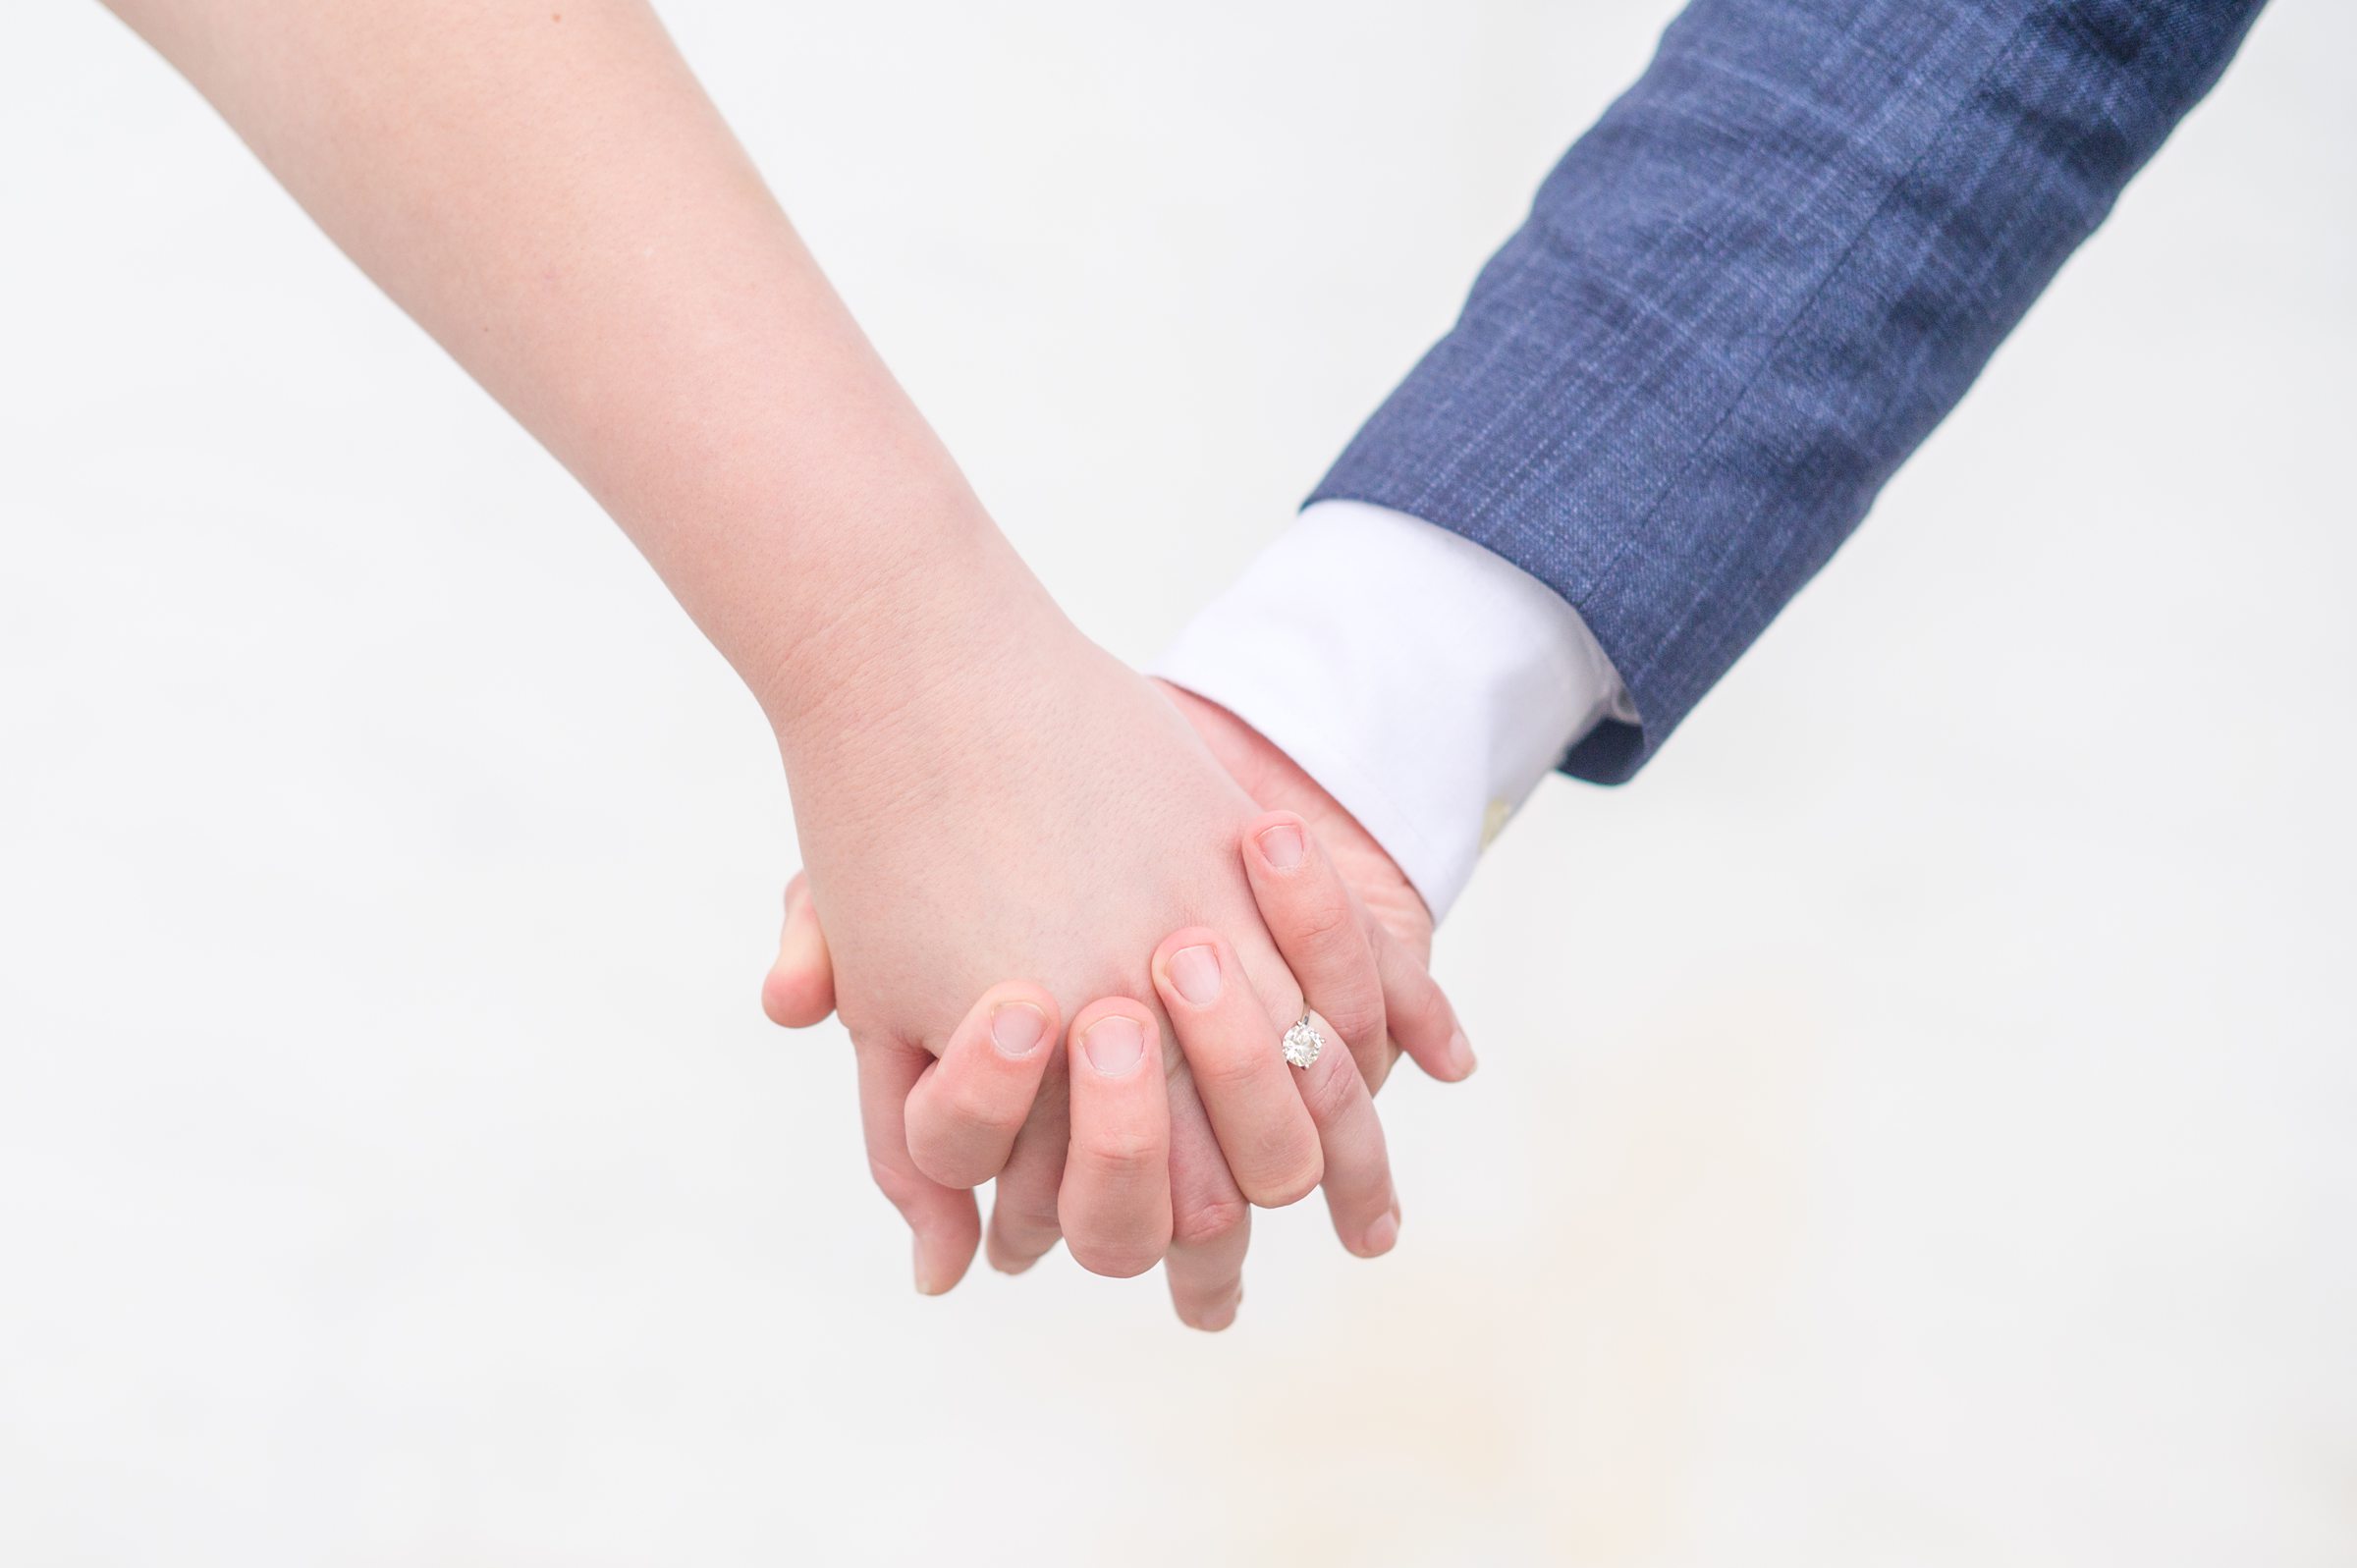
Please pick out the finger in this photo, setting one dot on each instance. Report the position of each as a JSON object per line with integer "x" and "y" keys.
{"x": 945, "y": 1220}
{"x": 1233, "y": 1051}
{"x": 1024, "y": 1227}
{"x": 1115, "y": 1204}
{"x": 1358, "y": 1170}
{"x": 1210, "y": 1224}
{"x": 967, "y": 1106}
{"x": 799, "y": 990}
{"x": 1322, "y": 932}
{"x": 1418, "y": 1012}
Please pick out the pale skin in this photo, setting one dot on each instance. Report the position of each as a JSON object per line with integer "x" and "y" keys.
{"x": 1314, "y": 890}
{"x": 979, "y": 790}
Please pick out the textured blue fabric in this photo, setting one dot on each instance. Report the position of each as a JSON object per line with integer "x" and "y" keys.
{"x": 1752, "y": 289}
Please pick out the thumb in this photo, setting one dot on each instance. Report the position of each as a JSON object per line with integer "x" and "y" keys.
{"x": 799, "y": 990}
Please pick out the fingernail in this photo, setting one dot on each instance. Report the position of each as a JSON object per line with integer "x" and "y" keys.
{"x": 1460, "y": 1053}
{"x": 1114, "y": 1044}
{"x": 1195, "y": 973}
{"x": 928, "y": 1283}
{"x": 1015, "y": 1028}
{"x": 1382, "y": 1236}
{"x": 1281, "y": 846}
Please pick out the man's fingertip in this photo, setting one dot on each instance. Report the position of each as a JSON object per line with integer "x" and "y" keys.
{"x": 929, "y": 1279}
{"x": 1217, "y": 1318}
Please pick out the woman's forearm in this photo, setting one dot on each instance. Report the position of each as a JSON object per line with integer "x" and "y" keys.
{"x": 548, "y": 192}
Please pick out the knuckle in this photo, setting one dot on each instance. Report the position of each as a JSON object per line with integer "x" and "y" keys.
{"x": 1223, "y": 1068}
{"x": 1025, "y": 1217}
{"x": 965, "y": 1101}
{"x": 1023, "y": 1205}
{"x": 1427, "y": 1017}
{"x": 1328, "y": 1093}
{"x": 1326, "y": 923}
{"x": 1357, "y": 1019}
{"x": 1116, "y": 1153}
{"x": 1210, "y": 1219}
{"x": 944, "y": 1161}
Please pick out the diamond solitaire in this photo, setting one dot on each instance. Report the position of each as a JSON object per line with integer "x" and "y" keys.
{"x": 1302, "y": 1043}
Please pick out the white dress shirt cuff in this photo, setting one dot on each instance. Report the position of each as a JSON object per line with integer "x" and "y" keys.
{"x": 1425, "y": 682}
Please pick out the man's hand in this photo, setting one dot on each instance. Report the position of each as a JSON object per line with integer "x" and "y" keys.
{"x": 1277, "y": 783}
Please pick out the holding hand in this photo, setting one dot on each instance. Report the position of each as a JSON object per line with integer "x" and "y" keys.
{"x": 1071, "y": 1133}
{"x": 981, "y": 792}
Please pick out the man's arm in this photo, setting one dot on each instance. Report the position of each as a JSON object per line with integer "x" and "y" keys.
{"x": 1739, "y": 303}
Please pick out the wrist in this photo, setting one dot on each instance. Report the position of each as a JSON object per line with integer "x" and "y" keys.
{"x": 927, "y": 653}
{"x": 895, "y": 593}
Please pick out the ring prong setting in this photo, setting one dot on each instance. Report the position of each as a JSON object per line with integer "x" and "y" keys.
{"x": 1302, "y": 1043}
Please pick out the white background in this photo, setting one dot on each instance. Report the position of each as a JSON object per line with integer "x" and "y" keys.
{"x": 1918, "y": 1119}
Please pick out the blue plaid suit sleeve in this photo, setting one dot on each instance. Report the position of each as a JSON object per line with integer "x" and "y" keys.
{"x": 1747, "y": 294}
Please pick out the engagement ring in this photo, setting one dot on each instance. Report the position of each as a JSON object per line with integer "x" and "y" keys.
{"x": 1302, "y": 1043}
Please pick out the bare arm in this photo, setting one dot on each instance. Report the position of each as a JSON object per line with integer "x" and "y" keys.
{"x": 547, "y": 191}
{"x": 980, "y": 792}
